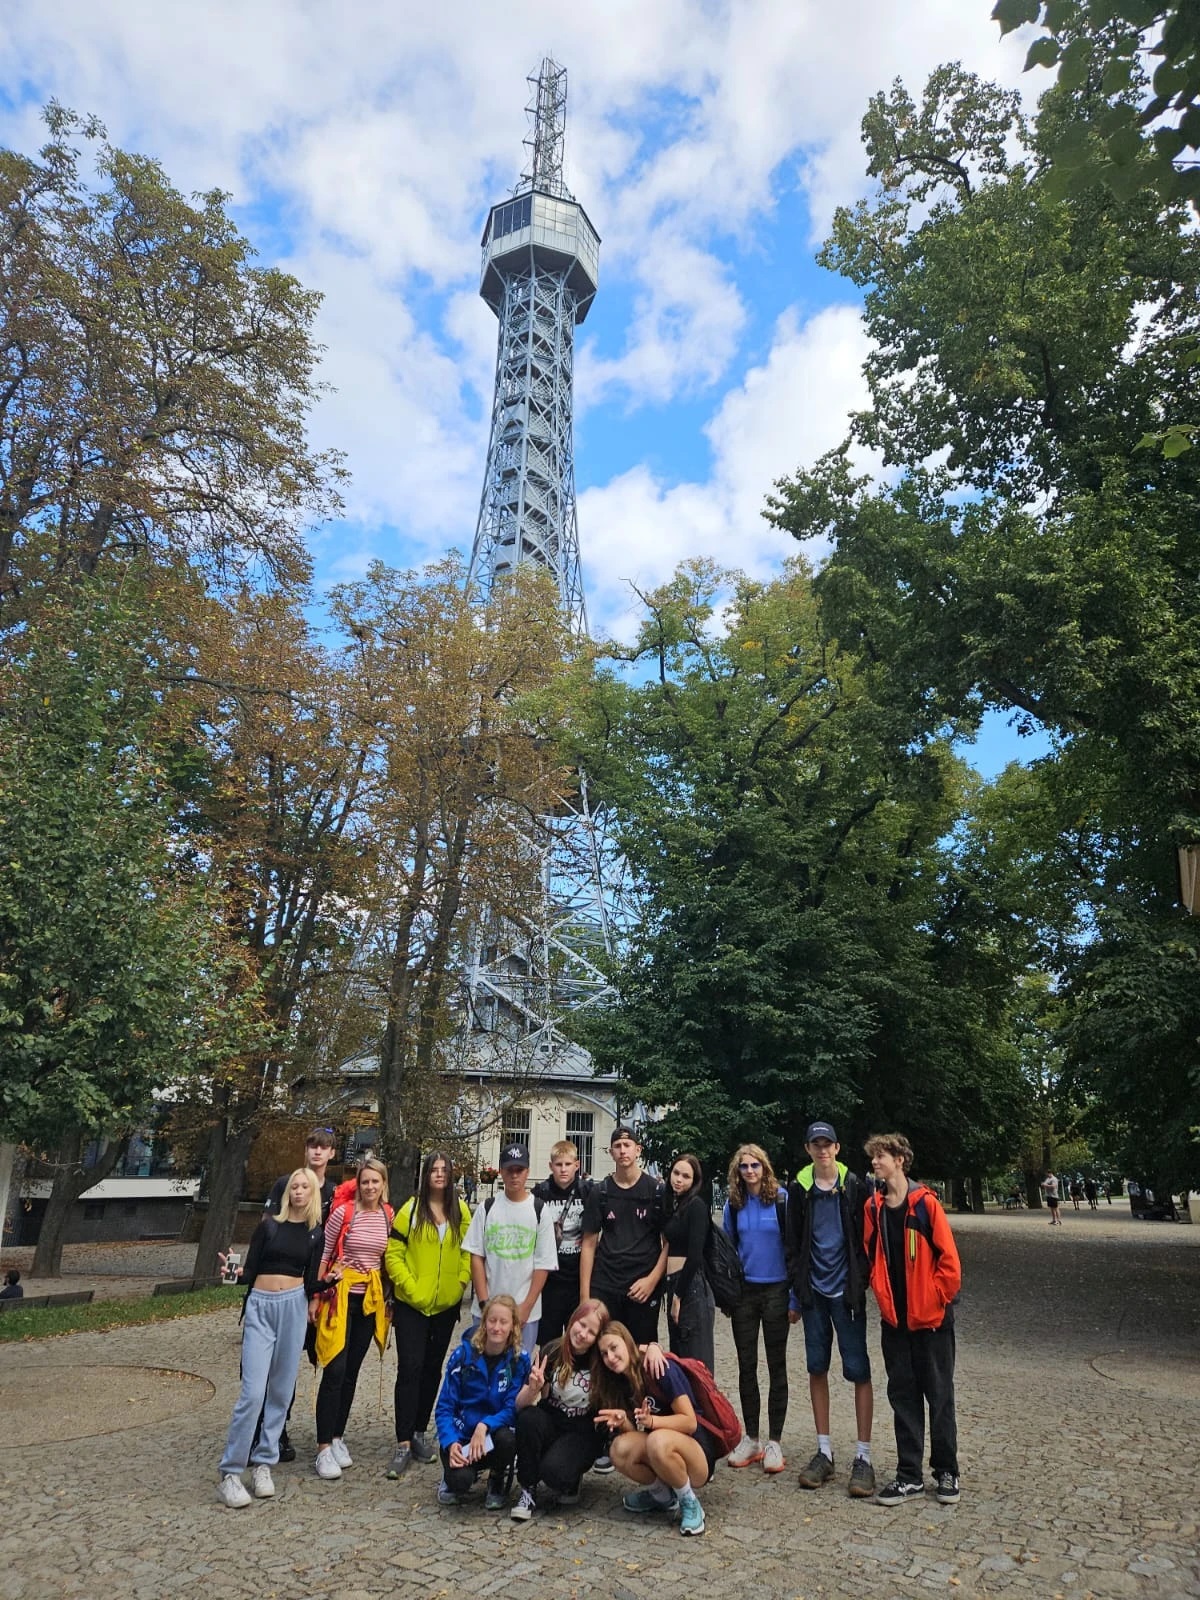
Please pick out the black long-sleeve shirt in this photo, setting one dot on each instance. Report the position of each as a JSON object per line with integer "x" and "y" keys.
{"x": 685, "y": 1232}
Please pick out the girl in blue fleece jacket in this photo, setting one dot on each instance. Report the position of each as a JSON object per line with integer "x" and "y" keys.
{"x": 486, "y": 1382}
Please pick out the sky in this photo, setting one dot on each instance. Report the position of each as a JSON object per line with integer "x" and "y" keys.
{"x": 362, "y": 145}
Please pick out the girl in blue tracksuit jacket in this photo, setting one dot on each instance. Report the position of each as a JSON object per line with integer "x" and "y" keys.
{"x": 486, "y": 1382}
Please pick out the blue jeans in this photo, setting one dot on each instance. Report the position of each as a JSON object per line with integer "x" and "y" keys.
{"x": 826, "y": 1315}
{"x": 272, "y": 1343}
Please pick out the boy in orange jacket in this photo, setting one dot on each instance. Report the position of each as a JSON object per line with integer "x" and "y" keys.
{"x": 916, "y": 1275}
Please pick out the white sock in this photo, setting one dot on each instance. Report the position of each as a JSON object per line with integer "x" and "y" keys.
{"x": 661, "y": 1492}
{"x": 863, "y": 1449}
{"x": 824, "y": 1445}
{"x": 686, "y": 1491}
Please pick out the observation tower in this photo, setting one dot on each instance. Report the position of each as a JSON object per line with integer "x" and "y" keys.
{"x": 541, "y": 259}
{"x": 541, "y": 265}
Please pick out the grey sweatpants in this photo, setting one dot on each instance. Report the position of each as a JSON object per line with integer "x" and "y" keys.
{"x": 272, "y": 1343}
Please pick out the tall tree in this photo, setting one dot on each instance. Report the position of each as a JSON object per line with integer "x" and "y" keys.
{"x": 1027, "y": 342}
{"x": 154, "y": 382}
{"x": 115, "y": 974}
{"x": 801, "y": 952}
{"x": 460, "y": 775}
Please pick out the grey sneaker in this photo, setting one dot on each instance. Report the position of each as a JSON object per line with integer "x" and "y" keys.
{"x": 497, "y": 1496}
{"x": 862, "y": 1479}
{"x": 399, "y": 1464}
{"x": 818, "y": 1471}
{"x": 446, "y": 1495}
{"x": 422, "y": 1450}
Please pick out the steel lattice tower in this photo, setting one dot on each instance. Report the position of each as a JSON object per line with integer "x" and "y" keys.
{"x": 541, "y": 263}
{"x": 540, "y": 271}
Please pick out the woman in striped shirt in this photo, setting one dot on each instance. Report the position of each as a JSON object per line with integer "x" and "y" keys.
{"x": 356, "y": 1237}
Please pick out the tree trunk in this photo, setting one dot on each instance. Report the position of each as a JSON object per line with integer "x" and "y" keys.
{"x": 1033, "y": 1190}
{"x": 8, "y": 1154}
{"x": 225, "y": 1179}
{"x": 975, "y": 1190}
{"x": 71, "y": 1179}
{"x": 958, "y": 1192}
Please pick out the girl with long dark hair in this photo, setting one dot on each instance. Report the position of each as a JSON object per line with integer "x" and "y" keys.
{"x": 691, "y": 1309}
{"x": 429, "y": 1269}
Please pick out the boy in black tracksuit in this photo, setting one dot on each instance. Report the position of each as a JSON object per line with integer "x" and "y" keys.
{"x": 563, "y": 1194}
{"x": 827, "y": 1268}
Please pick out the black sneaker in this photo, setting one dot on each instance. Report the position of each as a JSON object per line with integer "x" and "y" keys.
{"x": 862, "y": 1479}
{"x": 947, "y": 1489}
{"x": 287, "y": 1450}
{"x": 900, "y": 1490}
{"x": 602, "y": 1464}
{"x": 818, "y": 1471}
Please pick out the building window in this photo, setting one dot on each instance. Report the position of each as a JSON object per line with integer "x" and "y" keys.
{"x": 515, "y": 1126}
{"x": 581, "y": 1130}
{"x": 93, "y": 1210}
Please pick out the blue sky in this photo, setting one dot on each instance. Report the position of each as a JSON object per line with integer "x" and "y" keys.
{"x": 362, "y": 144}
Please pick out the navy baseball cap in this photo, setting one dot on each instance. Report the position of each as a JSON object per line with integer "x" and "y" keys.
{"x": 820, "y": 1130}
{"x": 514, "y": 1155}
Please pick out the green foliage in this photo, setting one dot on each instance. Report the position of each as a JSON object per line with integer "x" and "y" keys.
{"x": 114, "y": 974}
{"x": 1126, "y": 134}
{"x": 807, "y": 946}
{"x": 1036, "y": 556}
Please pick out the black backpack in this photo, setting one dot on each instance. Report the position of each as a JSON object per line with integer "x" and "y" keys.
{"x": 723, "y": 1269}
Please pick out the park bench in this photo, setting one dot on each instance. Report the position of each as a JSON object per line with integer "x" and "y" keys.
{"x": 185, "y": 1285}
{"x": 37, "y": 1302}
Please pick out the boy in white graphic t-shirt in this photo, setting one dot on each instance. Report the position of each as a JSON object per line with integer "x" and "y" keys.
{"x": 511, "y": 1245}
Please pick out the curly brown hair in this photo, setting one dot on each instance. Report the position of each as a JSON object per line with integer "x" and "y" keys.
{"x": 738, "y": 1193}
{"x": 892, "y": 1144}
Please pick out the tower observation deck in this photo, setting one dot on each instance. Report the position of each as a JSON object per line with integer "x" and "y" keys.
{"x": 541, "y": 260}
{"x": 541, "y": 265}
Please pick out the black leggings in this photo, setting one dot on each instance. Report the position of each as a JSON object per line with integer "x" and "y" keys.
{"x": 421, "y": 1344}
{"x": 336, "y": 1394}
{"x": 555, "y": 1448}
{"x": 496, "y": 1463}
{"x": 765, "y": 1305}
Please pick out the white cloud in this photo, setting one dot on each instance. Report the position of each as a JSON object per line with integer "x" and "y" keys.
{"x": 377, "y": 134}
{"x": 637, "y": 529}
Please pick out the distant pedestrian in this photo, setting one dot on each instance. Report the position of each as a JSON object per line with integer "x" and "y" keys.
{"x": 916, "y": 1276}
{"x": 755, "y": 1218}
{"x": 1091, "y": 1194}
{"x": 1076, "y": 1192}
{"x": 1049, "y": 1186}
{"x": 12, "y": 1289}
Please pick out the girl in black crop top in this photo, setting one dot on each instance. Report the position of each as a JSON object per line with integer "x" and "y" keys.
{"x": 282, "y": 1270}
{"x": 691, "y": 1310}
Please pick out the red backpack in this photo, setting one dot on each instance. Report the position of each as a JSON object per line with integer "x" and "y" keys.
{"x": 713, "y": 1410}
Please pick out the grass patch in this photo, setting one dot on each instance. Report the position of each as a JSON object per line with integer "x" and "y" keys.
{"x": 50, "y": 1322}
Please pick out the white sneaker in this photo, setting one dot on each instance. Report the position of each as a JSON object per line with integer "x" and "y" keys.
{"x": 743, "y": 1454}
{"x": 326, "y": 1464}
{"x": 262, "y": 1483}
{"x": 340, "y": 1454}
{"x": 232, "y": 1492}
{"x": 772, "y": 1459}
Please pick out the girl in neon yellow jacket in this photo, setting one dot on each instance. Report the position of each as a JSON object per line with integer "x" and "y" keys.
{"x": 429, "y": 1269}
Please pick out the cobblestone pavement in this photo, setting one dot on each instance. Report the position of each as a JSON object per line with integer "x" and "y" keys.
{"x": 1079, "y": 1411}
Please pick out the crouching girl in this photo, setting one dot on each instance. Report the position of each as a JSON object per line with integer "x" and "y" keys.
{"x": 658, "y": 1439}
{"x": 557, "y": 1437}
{"x": 477, "y": 1407}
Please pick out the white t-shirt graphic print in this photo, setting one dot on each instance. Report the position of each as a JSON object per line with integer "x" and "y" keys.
{"x": 514, "y": 1245}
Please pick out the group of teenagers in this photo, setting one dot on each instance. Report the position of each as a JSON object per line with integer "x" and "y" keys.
{"x": 560, "y": 1371}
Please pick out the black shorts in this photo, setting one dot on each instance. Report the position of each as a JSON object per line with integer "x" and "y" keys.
{"x": 707, "y": 1440}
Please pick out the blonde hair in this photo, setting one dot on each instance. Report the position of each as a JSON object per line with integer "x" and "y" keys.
{"x": 479, "y": 1337}
{"x": 564, "y": 1147}
{"x": 373, "y": 1164}
{"x": 312, "y": 1211}
{"x": 738, "y": 1193}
